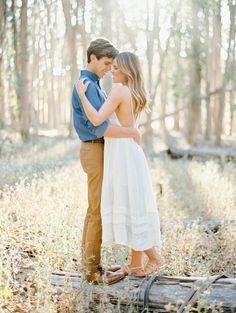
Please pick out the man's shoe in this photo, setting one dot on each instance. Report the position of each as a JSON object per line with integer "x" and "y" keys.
{"x": 109, "y": 278}
{"x": 91, "y": 277}
{"x": 111, "y": 268}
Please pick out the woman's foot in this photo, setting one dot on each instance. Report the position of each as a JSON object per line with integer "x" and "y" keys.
{"x": 154, "y": 266}
{"x": 133, "y": 271}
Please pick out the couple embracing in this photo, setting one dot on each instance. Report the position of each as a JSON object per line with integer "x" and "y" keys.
{"x": 121, "y": 203}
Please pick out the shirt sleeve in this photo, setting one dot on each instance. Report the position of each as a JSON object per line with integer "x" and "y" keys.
{"x": 92, "y": 95}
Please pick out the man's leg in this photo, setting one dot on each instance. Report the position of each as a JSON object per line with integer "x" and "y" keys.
{"x": 91, "y": 157}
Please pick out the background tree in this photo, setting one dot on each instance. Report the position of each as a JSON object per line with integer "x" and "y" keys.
{"x": 187, "y": 50}
{"x": 2, "y": 46}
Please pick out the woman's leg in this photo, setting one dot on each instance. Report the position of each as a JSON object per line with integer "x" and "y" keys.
{"x": 154, "y": 256}
{"x": 136, "y": 259}
{"x": 155, "y": 262}
{"x": 135, "y": 266}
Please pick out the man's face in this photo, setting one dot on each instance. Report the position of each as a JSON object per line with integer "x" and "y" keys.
{"x": 102, "y": 66}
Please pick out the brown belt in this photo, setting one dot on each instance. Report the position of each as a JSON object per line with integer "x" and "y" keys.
{"x": 98, "y": 140}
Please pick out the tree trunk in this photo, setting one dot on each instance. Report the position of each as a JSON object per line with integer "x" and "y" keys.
{"x": 107, "y": 32}
{"x": 34, "y": 68}
{"x": 164, "y": 92}
{"x": 52, "y": 103}
{"x": 177, "y": 73}
{"x": 195, "y": 78}
{"x": 217, "y": 74}
{"x": 2, "y": 32}
{"x": 231, "y": 103}
{"x": 220, "y": 116}
{"x": 72, "y": 52}
{"x": 157, "y": 293}
{"x": 83, "y": 33}
{"x": 106, "y": 13}
{"x": 14, "y": 111}
{"x": 207, "y": 79}
{"x": 151, "y": 36}
{"x": 228, "y": 74}
{"x": 24, "y": 79}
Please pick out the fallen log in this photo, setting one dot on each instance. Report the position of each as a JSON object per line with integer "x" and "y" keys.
{"x": 211, "y": 227}
{"x": 206, "y": 152}
{"x": 208, "y": 223}
{"x": 158, "y": 293}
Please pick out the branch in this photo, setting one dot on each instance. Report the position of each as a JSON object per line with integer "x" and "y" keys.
{"x": 216, "y": 91}
{"x": 162, "y": 117}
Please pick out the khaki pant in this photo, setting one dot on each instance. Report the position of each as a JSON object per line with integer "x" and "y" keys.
{"x": 91, "y": 158}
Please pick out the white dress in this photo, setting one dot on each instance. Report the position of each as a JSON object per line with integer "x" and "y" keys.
{"x": 128, "y": 207}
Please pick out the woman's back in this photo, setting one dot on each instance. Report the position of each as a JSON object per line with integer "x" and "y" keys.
{"x": 126, "y": 109}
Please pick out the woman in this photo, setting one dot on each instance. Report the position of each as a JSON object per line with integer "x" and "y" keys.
{"x": 128, "y": 208}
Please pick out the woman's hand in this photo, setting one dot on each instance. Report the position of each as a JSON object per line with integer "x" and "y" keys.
{"x": 137, "y": 136}
{"x": 81, "y": 87}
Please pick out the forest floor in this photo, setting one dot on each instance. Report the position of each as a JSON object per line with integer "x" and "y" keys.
{"x": 43, "y": 203}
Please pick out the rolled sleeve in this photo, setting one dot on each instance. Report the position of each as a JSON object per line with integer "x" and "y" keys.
{"x": 93, "y": 97}
{"x": 100, "y": 130}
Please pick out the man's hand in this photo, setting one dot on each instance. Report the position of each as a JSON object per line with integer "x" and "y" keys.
{"x": 136, "y": 136}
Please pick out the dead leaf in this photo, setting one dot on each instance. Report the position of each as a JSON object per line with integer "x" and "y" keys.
{"x": 20, "y": 309}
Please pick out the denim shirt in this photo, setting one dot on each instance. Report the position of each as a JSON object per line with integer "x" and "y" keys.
{"x": 96, "y": 96}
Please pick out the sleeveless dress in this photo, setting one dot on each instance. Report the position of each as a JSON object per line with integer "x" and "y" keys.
{"x": 128, "y": 207}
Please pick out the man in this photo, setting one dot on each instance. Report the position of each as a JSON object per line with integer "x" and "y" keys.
{"x": 100, "y": 55}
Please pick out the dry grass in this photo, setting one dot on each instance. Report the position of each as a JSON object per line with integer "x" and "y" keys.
{"x": 42, "y": 217}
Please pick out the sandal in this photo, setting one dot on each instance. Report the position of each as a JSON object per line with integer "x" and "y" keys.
{"x": 136, "y": 272}
{"x": 151, "y": 268}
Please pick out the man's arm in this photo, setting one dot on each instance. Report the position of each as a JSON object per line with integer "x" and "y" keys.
{"x": 105, "y": 129}
{"x": 78, "y": 107}
{"x": 114, "y": 131}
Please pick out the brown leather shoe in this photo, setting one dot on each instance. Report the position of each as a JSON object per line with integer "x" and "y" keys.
{"x": 111, "y": 268}
{"x": 107, "y": 278}
{"x": 91, "y": 277}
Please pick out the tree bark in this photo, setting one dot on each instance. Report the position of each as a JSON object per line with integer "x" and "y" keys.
{"x": 164, "y": 92}
{"x": 208, "y": 127}
{"x": 177, "y": 73}
{"x": 227, "y": 74}
{"x": 24, "y": 74}
{"x": 195, "y": 79}
{"x": 70, "y": 38}
{"x": 231, "y": 101}
{"x": 152, "y": 35}
{"x": 217, "y": 73}
{"x": 164, "y": 294}
{"x": 2, "y": 32}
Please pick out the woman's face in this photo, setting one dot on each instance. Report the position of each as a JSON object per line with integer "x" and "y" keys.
{"x": 118, "y": 76}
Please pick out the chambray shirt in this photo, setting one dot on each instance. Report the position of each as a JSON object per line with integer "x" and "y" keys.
{"x": 84, "y": 128}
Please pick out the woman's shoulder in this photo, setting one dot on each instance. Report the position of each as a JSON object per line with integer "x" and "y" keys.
{"x": 121, "y": 91}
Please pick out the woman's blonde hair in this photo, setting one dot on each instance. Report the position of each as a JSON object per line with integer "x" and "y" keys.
{"x": 129, "y": 65}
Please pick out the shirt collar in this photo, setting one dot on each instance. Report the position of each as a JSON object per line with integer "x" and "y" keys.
{"x": 90, "y": 75}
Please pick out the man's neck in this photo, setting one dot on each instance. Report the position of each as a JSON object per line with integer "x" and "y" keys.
{"x": 90, "y": 68}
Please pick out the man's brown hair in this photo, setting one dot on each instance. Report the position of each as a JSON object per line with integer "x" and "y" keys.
{"x": 101, "y": 48}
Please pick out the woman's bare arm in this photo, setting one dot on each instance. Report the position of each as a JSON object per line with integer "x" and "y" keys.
{"x": 108, "y": 107}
